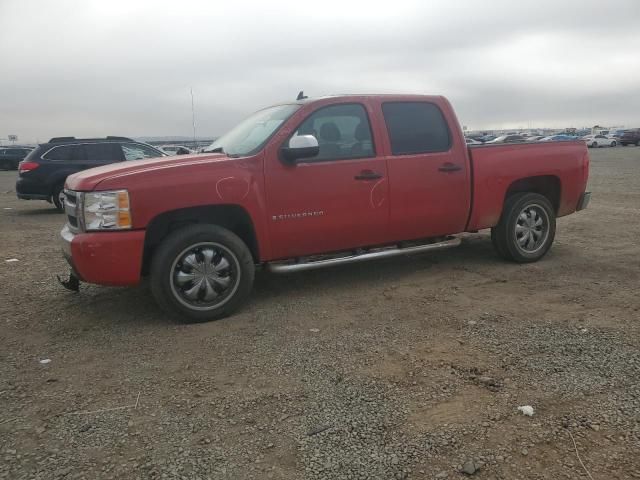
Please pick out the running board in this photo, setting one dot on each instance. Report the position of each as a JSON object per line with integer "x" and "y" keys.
{"x": 283, "y": 267}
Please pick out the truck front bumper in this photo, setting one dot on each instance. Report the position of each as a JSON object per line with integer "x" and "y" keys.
{"x": 585, "y": 198}
{"x": 105, "y": 258}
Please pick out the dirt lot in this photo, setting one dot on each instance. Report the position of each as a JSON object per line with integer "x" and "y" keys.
{"x": 408, "y": 368}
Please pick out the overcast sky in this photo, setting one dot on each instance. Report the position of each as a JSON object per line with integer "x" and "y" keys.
{"x": 89, "y": 67}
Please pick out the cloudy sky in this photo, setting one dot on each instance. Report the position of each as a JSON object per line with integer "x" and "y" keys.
{"x": 89, "y": 67}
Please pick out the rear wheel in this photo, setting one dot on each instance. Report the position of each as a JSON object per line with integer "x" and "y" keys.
{"x": 526, "y": 229}
{"x": 594, "y": 145}
{"x": 202, "y": 273}
{"x": 58, "y": 198}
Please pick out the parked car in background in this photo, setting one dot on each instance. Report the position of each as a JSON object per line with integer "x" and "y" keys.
{"x": 176, "y": 150}
{"x": 11, "y": 156}
{"x": 309, "y": 184}
{"x": 595, "y": 141}
{"x": 43, "y": 172}
{"x": 558, "y": 138}
{"x": 534, "y": 138}
{"x": 630, "y": 137}
{"x": 487, "y": 138}
{"x": 509, "y": 139}
{"x": 616, "y": 133}
{"x": 471, "y": 141}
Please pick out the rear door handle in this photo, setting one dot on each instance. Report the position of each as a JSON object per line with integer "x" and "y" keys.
{"x": 449, "y": 167}
{"x": 368, "y": 175}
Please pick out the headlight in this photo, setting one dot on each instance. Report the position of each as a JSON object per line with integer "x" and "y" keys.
{"x": 106, "y": 210}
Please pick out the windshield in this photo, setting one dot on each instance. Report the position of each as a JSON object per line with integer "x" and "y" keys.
{"x": 249, "y": 136}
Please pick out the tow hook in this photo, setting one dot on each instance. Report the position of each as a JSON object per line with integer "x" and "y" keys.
{"x": 72, "y": 284}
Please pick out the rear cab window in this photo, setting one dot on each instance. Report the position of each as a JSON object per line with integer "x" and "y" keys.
{"x": 416, "y": 127}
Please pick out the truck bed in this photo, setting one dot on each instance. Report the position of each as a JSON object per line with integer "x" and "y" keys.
{"x": 494, "y": 166}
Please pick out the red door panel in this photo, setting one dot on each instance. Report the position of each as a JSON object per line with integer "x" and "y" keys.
{"x": 428, "y": 196}
{"x": 322, "y": 207}
{"x": 335, "y": 201}
{"x": 429, "y": 187}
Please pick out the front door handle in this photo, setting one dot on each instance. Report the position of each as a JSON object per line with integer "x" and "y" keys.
{"x": 449, "y": 167}
{"x": 368, "y": 175}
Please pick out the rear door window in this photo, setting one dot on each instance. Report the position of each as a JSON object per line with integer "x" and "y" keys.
{"x": 416, "y": 127}
{"x": 66, "y": 153}
{"x": 103, "y": 152}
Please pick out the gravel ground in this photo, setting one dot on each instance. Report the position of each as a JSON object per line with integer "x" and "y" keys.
{"x": 398, "y": 369}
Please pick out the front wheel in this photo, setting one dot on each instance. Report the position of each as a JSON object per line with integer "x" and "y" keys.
{"x": 526, "y": 229}
{"x": 202, "y": 273}
{"x": 613, "y": 144}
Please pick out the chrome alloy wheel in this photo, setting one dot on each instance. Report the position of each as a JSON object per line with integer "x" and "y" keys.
{"x": 532, "y": 228}
{"x": 204, "y": 276}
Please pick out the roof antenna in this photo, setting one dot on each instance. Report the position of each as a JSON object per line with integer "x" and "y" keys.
{"x": 193, "y": 120}
{"x": 301, "y": 95}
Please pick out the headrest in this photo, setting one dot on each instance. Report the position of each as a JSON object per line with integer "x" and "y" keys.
{"x": 329, "y": 132}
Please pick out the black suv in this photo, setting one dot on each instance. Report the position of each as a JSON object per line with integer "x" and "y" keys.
{"x": 11, "y": 156}
{"x": 43, "y": 172}
{"x": 630, "y": 137}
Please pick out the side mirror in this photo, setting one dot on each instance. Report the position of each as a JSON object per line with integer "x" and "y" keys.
{"x": 300, "y": 146}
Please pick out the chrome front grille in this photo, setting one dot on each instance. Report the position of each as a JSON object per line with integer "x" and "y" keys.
{"x": 71, "y": 208}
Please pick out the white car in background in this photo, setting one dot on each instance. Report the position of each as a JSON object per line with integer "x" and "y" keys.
{"x": 595, "y": 141}
{"x": 471, "y": 141}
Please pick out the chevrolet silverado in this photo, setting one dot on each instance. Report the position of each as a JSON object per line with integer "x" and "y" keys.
{"x": 313, "y": 183}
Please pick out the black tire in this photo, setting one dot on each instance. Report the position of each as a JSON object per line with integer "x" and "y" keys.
{"x": 594, "y": 145}
{"x": 171, "y": 265}
{"x": 505, "y": 235}
{"x": 498, "y": 247}
{"x": 613, "y": 144}
{"x": 638, "y": 143}
{"x": 55, "y": 198}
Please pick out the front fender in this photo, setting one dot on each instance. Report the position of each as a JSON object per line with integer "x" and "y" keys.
{"x": 174, "y": 187}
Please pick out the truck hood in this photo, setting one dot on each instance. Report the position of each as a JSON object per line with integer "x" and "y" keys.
{"x": 88, "y": 180}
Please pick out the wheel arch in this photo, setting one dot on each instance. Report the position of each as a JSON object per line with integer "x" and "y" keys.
{"x": 232, "y": 217}
{"x": 59, "y": 180}
{"x": 548, "y": 186}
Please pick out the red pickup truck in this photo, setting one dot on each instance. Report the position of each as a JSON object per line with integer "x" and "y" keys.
{"x": 312, "y": 183}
